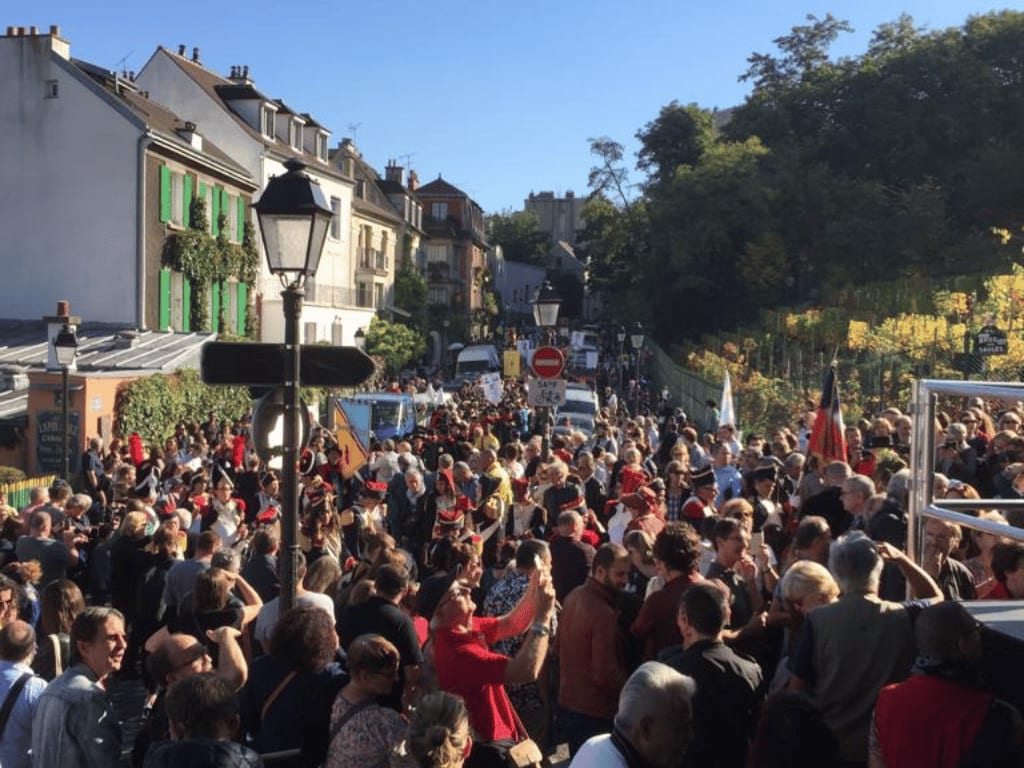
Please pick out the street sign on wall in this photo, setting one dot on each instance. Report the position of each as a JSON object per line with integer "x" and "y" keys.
{"x": 991, "y": 341}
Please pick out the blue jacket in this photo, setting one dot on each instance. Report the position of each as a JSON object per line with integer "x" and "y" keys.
{"x": 75, "y": 723}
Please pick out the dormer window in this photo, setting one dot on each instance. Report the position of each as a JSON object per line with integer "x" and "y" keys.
{"x": 295, "y": 134}
{"x": 267, "y": 121}
{"x": 321, "y": 146}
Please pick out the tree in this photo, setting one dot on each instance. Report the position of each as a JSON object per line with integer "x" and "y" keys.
{"x": 396, "y": 344}
{"x": 519, "y": 235}
{"x": 411, "y": 292}
{"x": 679, "y": 136}
{"x": 804, "y": 51}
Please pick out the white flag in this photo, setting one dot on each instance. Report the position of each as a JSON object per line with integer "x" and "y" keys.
{"x": 727, "y": 414}
{"x": 491, "y": 385}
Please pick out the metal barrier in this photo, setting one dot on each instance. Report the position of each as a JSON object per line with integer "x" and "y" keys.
{"x": 922, "y": 503}
{"x": 688, "y": 390}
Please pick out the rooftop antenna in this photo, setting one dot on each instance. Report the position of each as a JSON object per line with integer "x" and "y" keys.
{"x": 407, "y": 159}
{"x": 354, "y": 128}
{"x": 121, "y": 65}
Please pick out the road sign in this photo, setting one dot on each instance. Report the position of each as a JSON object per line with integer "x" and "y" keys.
{"x": 548, "y": 362}
{"x": 268, "y": 426}
{"x": 258, "y": 365}
{"x": 991, "y": 341}
{"x": 548, "y": 393}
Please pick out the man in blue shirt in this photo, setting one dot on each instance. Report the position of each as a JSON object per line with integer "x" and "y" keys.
{"x": 17, "y": 647}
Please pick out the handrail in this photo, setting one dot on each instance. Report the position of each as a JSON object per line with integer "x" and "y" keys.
{"x": 974, "y": 523}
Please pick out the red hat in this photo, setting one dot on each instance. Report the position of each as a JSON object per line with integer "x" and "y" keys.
{"x": 452, "y": 516}
{"x": 370, "y": 486}
{"x": 574, "y": 504}
{"x": 643, "y": 500}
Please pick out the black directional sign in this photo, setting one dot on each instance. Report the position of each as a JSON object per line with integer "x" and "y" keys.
{"x": 991, "y": 341}
{"x": 260, "y": 365}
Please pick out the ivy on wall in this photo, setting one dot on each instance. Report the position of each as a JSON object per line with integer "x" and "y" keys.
{"x": 204, "y": 259}
{"x": 153, "y": 405}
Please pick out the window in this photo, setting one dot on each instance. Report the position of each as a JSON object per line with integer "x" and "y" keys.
{"x": 363, "y": 295}
{"x": 267, "y": 121}
{"x": 438, "y": 253}
{"x": 321, "y": 146}
{"x": 310, "y": 287}
{"x": 439, "y": 211}
{"x": 437, "y": 295}
{"x": 378, "y": 295}
{"x": 177, "y": 198}
{"x": 337, "y": 335}
{"x": 51, "y": 89}
{"x": 232, "y": 214}
{"x": 309, "y": 333}
{"x": 295, "y": 134}
{"x": 335, "y": 218}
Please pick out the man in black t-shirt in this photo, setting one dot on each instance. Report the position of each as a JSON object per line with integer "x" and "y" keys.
{"x": 381, "y": 615}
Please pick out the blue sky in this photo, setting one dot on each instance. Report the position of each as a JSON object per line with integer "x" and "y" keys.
{"x": 499, "y": 97}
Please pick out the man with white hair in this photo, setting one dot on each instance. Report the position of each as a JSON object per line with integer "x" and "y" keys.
{"x": 653, "y": 724}
{"x": 851, "y": 648}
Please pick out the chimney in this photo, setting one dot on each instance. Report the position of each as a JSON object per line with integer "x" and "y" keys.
{"x": 188, "y": 133}
{"x": 414, "y": 181}
{"x": 181, "y": 49}
{"x": 195, "y": 56}
{"x": 10, "y": 32}
{"x": 34, "y": 31}
{"x": 234, "y": 72}
{"x": 245, "y": 71}
{"x": 54, "y": 324}
{"x": 393, "y": 172}
{"x": 54, "y": 30}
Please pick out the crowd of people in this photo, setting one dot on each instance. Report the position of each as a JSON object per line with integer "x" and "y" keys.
{"x": 497, "y": 584}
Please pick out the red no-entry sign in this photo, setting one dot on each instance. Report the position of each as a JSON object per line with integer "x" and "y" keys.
{"x": 548, "y": 362}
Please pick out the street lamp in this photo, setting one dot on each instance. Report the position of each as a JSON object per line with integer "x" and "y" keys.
{"x": 546, "y": 303}
{"x": 636, "y": 338}
{"x": 65, "y": 347}
{"x": 294, "y": 219}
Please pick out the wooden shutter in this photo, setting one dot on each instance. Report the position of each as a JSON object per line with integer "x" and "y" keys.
{"x": 165, "y": 299}
{"x": 186, "y": 304}
{"x": 165, "y": 193}
{"x": 186, "y": 201}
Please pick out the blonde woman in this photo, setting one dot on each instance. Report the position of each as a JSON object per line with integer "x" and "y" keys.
{"x": 438, "y": 735}
{"x": 805, "y": 586}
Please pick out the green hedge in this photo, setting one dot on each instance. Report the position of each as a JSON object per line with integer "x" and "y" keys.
{"x": 152, "y": 406}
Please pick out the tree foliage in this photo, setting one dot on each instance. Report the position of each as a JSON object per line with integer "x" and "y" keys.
{"x": 396, "y": 344}
{"x": 520, "y": 237}
{"x": 411, "y": 291}
{"x": 888, "y": 165}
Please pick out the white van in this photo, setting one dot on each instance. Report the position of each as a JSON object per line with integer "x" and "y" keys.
{"x": 477, "y": 359}
{"x": 579, "y": 398}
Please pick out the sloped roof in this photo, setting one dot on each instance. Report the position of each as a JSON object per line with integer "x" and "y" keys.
{"x": 440, "y": 188}
{"x": 223, "y": 90}
{"x": 104, "y": 348}
{"x": 157, "y": 117}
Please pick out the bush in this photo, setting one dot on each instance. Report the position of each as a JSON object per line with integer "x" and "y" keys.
{"x": 10, "y": 475}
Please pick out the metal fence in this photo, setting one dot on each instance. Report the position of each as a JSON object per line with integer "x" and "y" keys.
{"x": 686, "y": 389}
{"x": 17, "y": 493}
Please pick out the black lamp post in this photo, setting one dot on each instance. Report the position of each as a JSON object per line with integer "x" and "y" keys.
{"x": 65, "y": 347}
{"x": 360, "y": 339}
{"x": 636, "y": 338}
{"x": 546, "y": 303}
{"x": 294, "y": 219}
{"x": 444, "y": 348}
{"x": 621, "y": 336}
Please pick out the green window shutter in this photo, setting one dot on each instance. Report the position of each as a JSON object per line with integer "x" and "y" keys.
{"x": 186, "y": 203}
{"x": 165, "y": 193}
{"x": 186, "y": 304}
{"x": 243, "y": 303}
{"x": 202, "y": 195}
{"x": 241, "y": 219}
{"x": 215, "y": 213}
{"x": 215, "y": 304}
{"x": 165, "y": 299}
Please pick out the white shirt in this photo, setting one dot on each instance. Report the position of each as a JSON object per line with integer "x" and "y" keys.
{"x": 599, "y": 752}
{"x": 271, "y": 611}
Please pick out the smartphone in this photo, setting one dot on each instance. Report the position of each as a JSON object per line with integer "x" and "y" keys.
{"x": 756, "y": 540}
{"x": 537, "y": 563}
